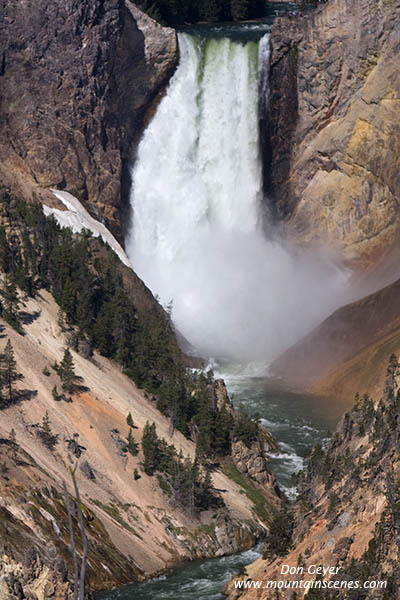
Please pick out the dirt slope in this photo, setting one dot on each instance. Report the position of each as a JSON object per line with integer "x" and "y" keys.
{"x": 144, "y": 531}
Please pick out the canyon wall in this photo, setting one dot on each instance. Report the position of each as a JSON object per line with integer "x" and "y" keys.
{"x": 77, "y": 78}
{"x": 345, "y": 515}
{"x": 332, "y": 153}
{"x": 348, "y": 352}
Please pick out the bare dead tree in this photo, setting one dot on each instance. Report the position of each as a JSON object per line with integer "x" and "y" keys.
{"x": 74, "y": 553}
{"x": 79, "y": 578}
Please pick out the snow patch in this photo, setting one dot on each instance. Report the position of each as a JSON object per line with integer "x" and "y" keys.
{"x": 77, "y": 218}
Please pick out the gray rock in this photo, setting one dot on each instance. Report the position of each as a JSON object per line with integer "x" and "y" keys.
{"x": 76, "y": 81}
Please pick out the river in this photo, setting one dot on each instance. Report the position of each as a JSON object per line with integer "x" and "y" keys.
{"x": 297, "y": 421}
{"x": 201, "y": 238}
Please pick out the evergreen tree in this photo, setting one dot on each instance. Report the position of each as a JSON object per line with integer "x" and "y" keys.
{"x": 60, "y": 319}
{"x": 150, "y": 448}
{"x": 46, "y": 434}
{"x": 9, "y": 372}
{"x": 209, "y": 10}
{"x": 223, "y": 428}
{"x": 5, "y": 252}
{"x": 68, "y": 300}
{"x": 11, "y": 304}
{"x": 205, "y": 421}
{"x": 205, "y": 497}
{"x": 239, "y": 9}
{"x": 133, "y": 446}
{"x": 66, "y": 371}
{"x": 256, "y": 8}
{"x": 129, "y": 420}
{"x": 279, "y": 539}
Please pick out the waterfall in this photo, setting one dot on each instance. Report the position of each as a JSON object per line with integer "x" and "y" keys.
{"x": 197, "y": 236}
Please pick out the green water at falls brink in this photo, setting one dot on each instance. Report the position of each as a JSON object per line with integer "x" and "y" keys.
{"x": 198, "y": 212}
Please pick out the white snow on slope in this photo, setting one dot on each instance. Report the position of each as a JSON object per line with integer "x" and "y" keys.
{"x": 77, "y": 218}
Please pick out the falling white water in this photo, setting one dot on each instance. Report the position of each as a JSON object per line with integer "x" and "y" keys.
{"x": 197, "y": 237}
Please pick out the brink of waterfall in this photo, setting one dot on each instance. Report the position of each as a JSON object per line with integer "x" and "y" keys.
{"x": 197, "y": 236}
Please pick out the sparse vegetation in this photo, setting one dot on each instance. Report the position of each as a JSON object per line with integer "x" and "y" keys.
{"x": 8, "y": 375}
{"x": 252, "y": 492}
{"x": 97, "y": 309}
{"x": 178, "y": 477}
{"x": 46, "y": 434}
{"x": 279, "y": 539}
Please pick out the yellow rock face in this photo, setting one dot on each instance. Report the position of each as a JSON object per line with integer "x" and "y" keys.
{"x": 343, "y": 179}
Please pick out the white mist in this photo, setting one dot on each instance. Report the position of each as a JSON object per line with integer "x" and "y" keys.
{"x": 197, "y": 236}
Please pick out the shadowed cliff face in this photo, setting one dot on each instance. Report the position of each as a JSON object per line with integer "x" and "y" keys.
{"x": 366, "y": 331}
{"x": 76, "y": 79}
{"x": 333, "y": 163}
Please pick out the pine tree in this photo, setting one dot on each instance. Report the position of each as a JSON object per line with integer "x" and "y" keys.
{"x": 133, "y": 446}
{"x": 9, "y": 373}
{"x": 150, "y": 448}
{"x": 223, "y": 428}
{"x": 129, "y": 420}
{"x": 5, "y": 252}
{"x": 205, "y": 497}
{"x": 209, "y": 10}
{"x": 11, "y": 304}
{"x": 45, "y": 432}
{"x": 66, "y": 371}
{"x": 239, "y": 9}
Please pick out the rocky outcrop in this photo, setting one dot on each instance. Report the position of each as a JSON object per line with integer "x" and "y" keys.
{"x": 332, "y": 153}
{"x": 32, "y": 579}
{"x": 77, "y": 78}
{"x": 251, "y": 461}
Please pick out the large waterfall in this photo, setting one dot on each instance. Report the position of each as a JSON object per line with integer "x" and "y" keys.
{"x": 197, "y": 237}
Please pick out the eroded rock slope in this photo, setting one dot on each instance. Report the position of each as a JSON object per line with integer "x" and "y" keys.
{"x": 332, "y": 153}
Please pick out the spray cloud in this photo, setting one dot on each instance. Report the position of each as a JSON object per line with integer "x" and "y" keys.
{"x": 197, "y": 236}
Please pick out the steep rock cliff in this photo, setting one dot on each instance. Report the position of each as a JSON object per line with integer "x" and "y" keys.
{"x": 352, "y": 329}
{"x": 332, "y": 154}
{"x": 76, "y": 80}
